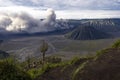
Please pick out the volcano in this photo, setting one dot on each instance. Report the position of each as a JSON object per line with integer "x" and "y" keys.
{"x": 87, "y": 33}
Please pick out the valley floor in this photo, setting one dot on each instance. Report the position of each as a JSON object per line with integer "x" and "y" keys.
{"x": 58, "y": 45}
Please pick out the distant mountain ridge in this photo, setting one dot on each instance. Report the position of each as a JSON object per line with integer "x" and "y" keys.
{"x": 98, "y": 29}
{"x": 107, "y": 26}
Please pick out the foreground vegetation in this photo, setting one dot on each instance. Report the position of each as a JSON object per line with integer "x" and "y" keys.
{"x": 105, "y": 65}
{"x": 10, "y": 71}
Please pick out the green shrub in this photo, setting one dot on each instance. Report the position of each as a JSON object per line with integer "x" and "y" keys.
{"x": 39, "y": 71}
{"x": 53, "y": 59}
{"x": 98, "y": 53}
{"x": 116, "y": 44}
{"x": 9, "y": 71}
{"x": 79, "y": 60}
{"x": 45, "y": 68}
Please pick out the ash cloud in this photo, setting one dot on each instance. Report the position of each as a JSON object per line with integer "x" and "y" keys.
{"x": 23, "y": 22}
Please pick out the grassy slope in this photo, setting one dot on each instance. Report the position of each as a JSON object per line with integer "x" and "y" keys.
{"x": 64, "y": 71}
{"x": 104, "y": 66}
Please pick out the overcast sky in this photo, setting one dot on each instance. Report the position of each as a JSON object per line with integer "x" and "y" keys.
{"x": 65, "y": 4}
{"x": 68, "y": 9}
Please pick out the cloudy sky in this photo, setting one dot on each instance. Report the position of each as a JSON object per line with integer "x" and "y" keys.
{"x": 65, "y": 8}
{"x": 65, "y": 4}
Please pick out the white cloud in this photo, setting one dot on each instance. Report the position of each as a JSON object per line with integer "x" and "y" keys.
{"x": 65, "y": 14}
{"x": 66, "y": 4}
{"x": 23, "y": 22}
{"x": 80, "y": 4}
{"x": 6, "y": 3}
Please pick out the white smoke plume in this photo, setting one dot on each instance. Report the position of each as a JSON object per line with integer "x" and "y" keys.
{"x": 23, "y": 22}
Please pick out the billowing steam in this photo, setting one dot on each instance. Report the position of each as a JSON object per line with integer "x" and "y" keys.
{"x": 23, "y": 22}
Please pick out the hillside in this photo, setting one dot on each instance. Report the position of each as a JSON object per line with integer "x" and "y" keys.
{"x": 104, "y": 66}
